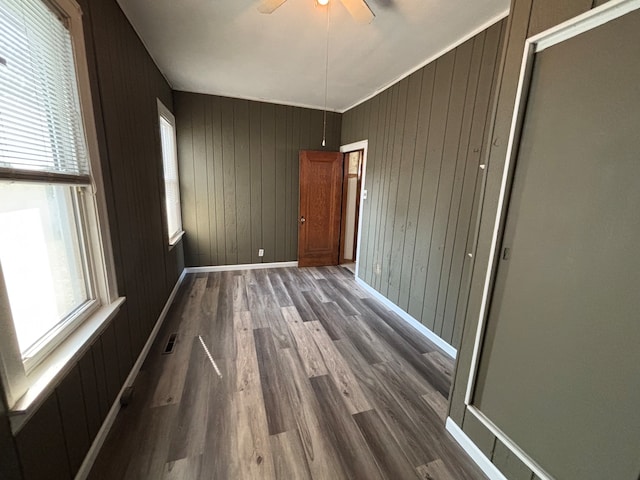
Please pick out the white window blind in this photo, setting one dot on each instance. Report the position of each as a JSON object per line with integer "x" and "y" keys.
{"x": 41, "y": 133}
{"x": 172, "y": 186}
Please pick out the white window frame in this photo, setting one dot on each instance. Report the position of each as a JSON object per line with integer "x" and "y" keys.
{"x": 26, "y": 385}
{"x": 172, "y": 237}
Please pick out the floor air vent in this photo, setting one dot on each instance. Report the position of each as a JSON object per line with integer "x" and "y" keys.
{"x": 171, "y": 343}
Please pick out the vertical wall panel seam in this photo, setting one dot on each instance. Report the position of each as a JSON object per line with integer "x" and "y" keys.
{"x": 195, "y": 248}
{"x": 84, "y": 398}
{"x": 261, "y": 177}
{"x": 223, "y": 260}
{"x": 400, "y": 159}
{"x": 235, "y": 179}
{"x": 64, "y": 435}
{"x": 206, "y": 173}
{"x": 386, "y": 263}
{"x": 275, "y": 178}
{"x": 372, "y": 172}
{"x": 384, "y": 188}
{"x": 209, "y": 142}
{"x": 443, "y": 197}
{"x": 383, "y": 181}
{"x": 391, "y": 196}
{"x": 380, "y": 158}
{"x": 424, "y": 172}
{"x": 251, "y": 246}
{"x": 289, "y": 231}
{"x": 393, "y": 125}
{"x": 485, "y": 142}
{"x": 437, "y": 193}
{"x": 196, "y": 174}
{"x": 261, "y": 189}
{"x": 508, "y": 30}
{"x": 413, "y": 160}
{"x": 458, "y": 154}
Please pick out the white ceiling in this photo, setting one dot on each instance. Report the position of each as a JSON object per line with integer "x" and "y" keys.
{"x": 226, "y": 47}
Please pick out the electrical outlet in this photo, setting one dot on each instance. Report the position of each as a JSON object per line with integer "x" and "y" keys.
{"x": 378, "y": 270}
{"x": 261, "y": 252}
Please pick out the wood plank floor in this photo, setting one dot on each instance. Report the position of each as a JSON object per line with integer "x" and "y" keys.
{"x": 286, "y": 374}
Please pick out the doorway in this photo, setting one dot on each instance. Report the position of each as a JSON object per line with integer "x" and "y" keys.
{"x": 353, "y": 196}
{"x": 351, "y": 186}
{"x": 331, "y": 194}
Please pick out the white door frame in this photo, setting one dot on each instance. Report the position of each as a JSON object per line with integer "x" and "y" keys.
{"x": 351, "y": 147}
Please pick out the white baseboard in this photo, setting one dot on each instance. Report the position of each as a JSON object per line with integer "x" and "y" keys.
{"x": 245, "y": 266}
{"x": 93, "y": 452}
{"x": 448, "y": 349}
{"x": 480, "y": 459}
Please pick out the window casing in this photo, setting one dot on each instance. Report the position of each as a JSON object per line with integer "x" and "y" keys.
{"x": 170, "y": 168}
{"x": 56, "y": 265}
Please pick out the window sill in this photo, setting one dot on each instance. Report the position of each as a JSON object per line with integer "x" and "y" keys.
{"x": 46, "y": 376}
{"x": 175, "y": 239}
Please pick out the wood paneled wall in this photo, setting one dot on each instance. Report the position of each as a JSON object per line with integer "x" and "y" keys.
{"x": 238, "y": 162}
{"x": 125, "y": 85}
{"x": 527, "y": 18}
{"x": 9, "y": 464}
{"x": 426, "y": 135}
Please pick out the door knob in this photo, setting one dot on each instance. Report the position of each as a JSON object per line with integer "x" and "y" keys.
{"x": 302, "y": 220}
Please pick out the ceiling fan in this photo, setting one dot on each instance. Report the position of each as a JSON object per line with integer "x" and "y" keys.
{"x": 358, "y": 9}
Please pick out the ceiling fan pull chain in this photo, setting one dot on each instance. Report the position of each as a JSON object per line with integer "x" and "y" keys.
{"x": 326, "y": 83}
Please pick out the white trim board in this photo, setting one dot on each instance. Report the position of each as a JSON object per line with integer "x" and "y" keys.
{"x": 352, "y": 147}
{"x": 262, "y": 100}
{"x": 477, "y": 455}
{"x": 101, "y": 436}
{"x": 515, "y": 449}
{"x": 244, "y": 266}
{"x": 432, "y": 58}
{"x": 440, "y": 343}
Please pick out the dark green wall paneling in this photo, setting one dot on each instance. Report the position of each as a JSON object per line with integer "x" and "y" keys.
{"x": 125, "y": 85}
{"x": 71, "y": 403}
{"x": 426, "y": 134}
{"x": 515, "y": 36}
{"x": 9, "y": 464}
{"x": 546, "y": 14}
{"x": 42, "y": 447}
{"x": 239, "y": 176}
{"x": 509, "y": 464}
{"x": 572, "y": 213}
{"x": 527, "y": 17}
{"x": 479, "y": 434}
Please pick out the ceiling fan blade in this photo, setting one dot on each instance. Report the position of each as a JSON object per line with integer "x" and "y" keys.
{"x": 359, "y": 10}
{"x": 268, "y": 6}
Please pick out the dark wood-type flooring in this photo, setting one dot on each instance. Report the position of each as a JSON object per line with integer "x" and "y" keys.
{"x": 308, "y": 378}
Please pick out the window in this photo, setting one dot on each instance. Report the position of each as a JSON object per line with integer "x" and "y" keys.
{"x": 171, "y": 179}
{"x": 56, "y": 267}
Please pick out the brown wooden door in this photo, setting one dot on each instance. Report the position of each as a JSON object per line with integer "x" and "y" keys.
{"x": 320, "y": 208}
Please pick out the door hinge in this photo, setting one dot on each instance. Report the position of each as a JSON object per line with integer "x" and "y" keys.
{"x": 506, "y": 253}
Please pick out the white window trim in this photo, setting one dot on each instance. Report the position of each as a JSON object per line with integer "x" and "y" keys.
{"x": 24, "y": 390}
{"x": 165, "y": 113}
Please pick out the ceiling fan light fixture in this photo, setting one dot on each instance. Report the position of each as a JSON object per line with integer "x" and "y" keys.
{"x": 323, "y": 2}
